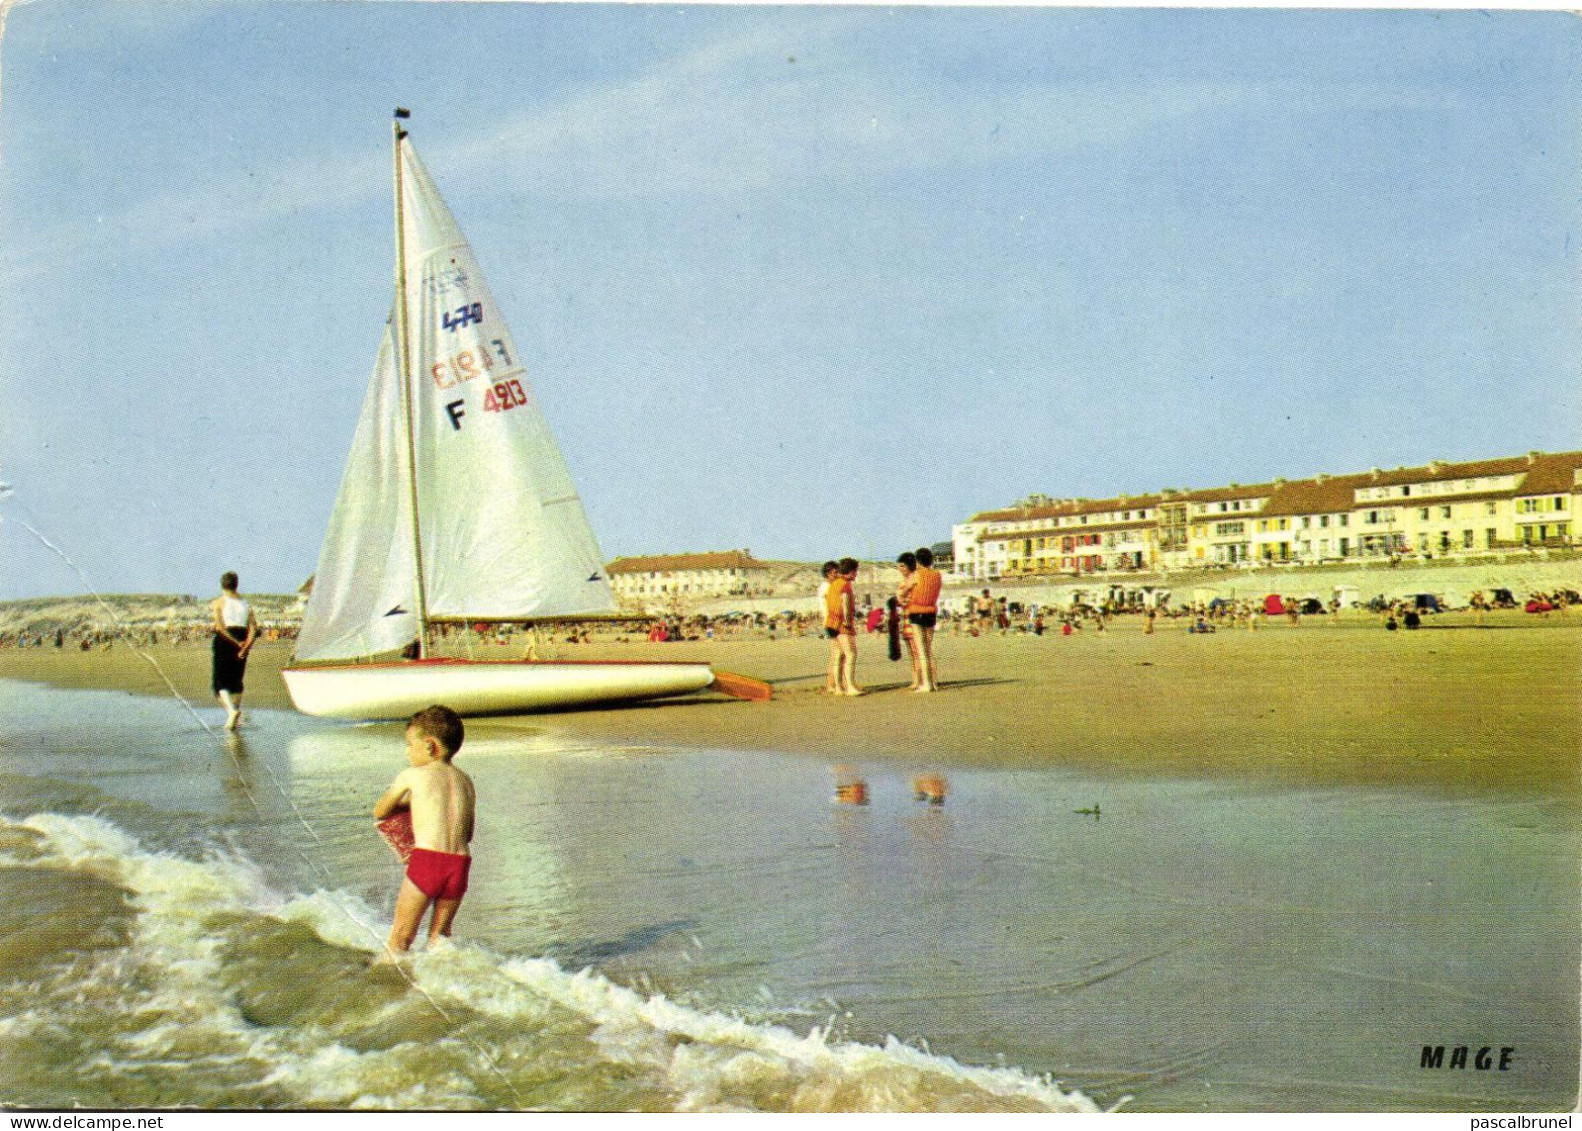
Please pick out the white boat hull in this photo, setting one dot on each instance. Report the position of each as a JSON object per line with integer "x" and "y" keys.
{"x": 483, "y": 687}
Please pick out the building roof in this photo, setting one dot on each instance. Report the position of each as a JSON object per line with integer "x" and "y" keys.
{"x": 1544, "y": 474}
{"x": 1551, "y": 474}
{"x": 674, "y": 563}
{"x": 1226, "y": 494}
{"x": 1324, "y": 495}
{"x": 1069, "y": 507}
{"x": 1541, "y": 473}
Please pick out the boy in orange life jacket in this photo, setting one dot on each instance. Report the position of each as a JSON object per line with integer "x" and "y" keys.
{"x": 840, "y": 626}
{"x": 830, "y": 570}
{"x": 922, "y": 614}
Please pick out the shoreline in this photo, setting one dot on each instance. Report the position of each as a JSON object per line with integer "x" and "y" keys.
{"x": 1452, "y": 706}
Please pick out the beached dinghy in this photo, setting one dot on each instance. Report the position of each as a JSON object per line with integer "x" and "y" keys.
{"x": 455, "y": 508}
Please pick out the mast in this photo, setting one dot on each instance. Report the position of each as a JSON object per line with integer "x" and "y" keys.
{"x": 404, "y": 368}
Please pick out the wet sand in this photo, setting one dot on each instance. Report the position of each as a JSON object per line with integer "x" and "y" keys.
{"x": 1454, "y": 706}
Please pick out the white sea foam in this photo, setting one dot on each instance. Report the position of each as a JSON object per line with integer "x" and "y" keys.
{"x": 709, "y": 1055}
{"x": 168, "y": 1012}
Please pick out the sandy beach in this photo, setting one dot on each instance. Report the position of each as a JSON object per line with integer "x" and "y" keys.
{"x": 1454, "y": 706}
{"x": 1320, "y": 847}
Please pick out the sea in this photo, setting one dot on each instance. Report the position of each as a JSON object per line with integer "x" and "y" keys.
{"x": 189, "y": 920}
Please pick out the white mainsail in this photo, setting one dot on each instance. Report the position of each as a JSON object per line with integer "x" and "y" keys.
{"x": 503, "y": 532}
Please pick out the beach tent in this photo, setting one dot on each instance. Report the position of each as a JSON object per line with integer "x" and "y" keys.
{"x": 1347, "y": 595}
{"x": 1272, "y": 606}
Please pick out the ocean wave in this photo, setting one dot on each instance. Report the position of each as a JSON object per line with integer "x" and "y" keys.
{"x": 219, "y": 991}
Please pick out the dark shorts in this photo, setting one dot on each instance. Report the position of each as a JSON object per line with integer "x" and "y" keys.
{"x": 439, "y": 875}
{"x": 923, "y": 620}
{"x": 832, "y": 633}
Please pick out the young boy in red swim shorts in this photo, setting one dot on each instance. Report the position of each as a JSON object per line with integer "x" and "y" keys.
{"x": 441, "y": 800}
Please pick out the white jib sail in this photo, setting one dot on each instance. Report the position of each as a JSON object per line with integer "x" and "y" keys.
{"x": 362, "y": 600}
{"x": 504, "y": 532}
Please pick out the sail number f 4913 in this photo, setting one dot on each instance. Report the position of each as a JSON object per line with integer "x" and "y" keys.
{"x": 498, "y": 397}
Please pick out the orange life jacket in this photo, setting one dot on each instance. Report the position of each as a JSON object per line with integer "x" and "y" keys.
{"x": 924, "y": 597}
{"x": 835, "y": 604}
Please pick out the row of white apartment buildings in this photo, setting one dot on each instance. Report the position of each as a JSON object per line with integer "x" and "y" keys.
{"x": 1444, "y": 510}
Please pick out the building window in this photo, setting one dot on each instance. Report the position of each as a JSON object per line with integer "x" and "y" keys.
{"x": 1444, "y": 512}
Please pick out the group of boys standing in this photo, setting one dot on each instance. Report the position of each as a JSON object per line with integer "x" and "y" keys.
{"x": 917, "y": 599}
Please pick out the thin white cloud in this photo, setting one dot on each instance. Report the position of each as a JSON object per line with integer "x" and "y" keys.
{"x": 735, "y": 114}
{"x": 326, "y": 184}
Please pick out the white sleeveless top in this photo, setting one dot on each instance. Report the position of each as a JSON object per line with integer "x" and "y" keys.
{"x": 233, "y": 611}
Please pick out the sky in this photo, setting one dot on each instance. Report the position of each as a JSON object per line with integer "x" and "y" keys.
{"x": 809, "y": 281}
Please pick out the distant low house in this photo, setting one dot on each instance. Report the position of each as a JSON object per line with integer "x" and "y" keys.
{"x": 661, "y": 581}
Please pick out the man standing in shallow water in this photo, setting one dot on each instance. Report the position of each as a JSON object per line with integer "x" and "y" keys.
{"x": 235, "y": 630}
{"x": 440, "y": 798}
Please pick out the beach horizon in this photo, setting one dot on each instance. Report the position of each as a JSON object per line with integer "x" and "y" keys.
{"x": 1457, "y": 705}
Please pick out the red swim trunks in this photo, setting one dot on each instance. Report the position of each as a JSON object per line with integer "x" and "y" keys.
{"x": 439, "y": 875}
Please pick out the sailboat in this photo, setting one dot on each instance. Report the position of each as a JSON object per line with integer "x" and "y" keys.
{"x": 455, "y": 508}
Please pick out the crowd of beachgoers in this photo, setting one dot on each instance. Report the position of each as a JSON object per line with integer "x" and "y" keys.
{"x": 987, "y": 615}
{"x": 88, "y": 638}
{"x": 981, "y": 615}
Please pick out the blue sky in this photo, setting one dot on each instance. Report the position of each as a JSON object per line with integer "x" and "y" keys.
{"x": 812, "y": 281}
